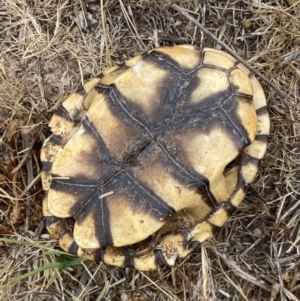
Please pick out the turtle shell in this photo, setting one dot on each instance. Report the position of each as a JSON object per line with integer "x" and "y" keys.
{"x": 149, "y": 160}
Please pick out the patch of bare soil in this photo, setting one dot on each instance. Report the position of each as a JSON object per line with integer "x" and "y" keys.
{"x": 48, "y": 49}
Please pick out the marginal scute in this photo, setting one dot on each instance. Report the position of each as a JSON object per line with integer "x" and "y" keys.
{"x": 249, "y": 171}
{"x": 257, "y": 149}
{"x": 154, "y": 157}
{"x": 263, "y": 124}
{"x": 60, "y": 125}
{"x": 238, "y": 197}
{"x": 241, "y": 82}
{"x": 219, "y": 59}
{"x": 219, "y": 218}
{"x": 133, "y": 61}
{"x": 112, "y": 75}
{"x": 75, "y": 105}
{"x": 259, "y": 99}
{"x": 202, "y": 232}
{"x": 65, "y": 241}
{"x": 61, "y": 202}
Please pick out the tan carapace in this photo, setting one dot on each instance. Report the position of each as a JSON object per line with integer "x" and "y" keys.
{"x": 146, "y": 162}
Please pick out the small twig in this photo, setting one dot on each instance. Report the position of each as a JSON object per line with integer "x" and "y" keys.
{"x": 234, "y": 54}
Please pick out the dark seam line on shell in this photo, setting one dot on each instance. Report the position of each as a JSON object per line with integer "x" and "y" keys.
{"x": 81, "y": 91}
{"x": 248, "y": 97}
{"x": 63, "y": 113}
{"x": 122, "y": 66}
{"x": 229, "y": 208}
{"x": 204, "y": 110}
{"x": 191, "y": 107}
{"x": 261, "y": 138}
{"x": 89, "y": 125}
{"x": 129, "y": 262}
{"x": 241, "y": 184}
{"x": 164, "y": 60}
{"x": 211, "y": 197}
{"x": 118, "y": 97}
{"x": 69, "y": 182}
{"x": 198, "y": 115}
{"x": 243, "y": 136}
{"x": 54, "y": 139}
{"x": 232, "y": 68}
{"x": 177, "y": 112}
{"x": 113, "y": 90}
{"x": 50, "y": 220}
{"x": 73, "y": 249}
{"x": 262, "y": 111}
{"x": 193, "y": 245}
{"x": 160, "y": 259}
{"x": 216, "y": 68}
{"x": 218, "y": 105}
{"x": 233, "y": 90}
{"x": 102, "y": 88}
{"x": 99, "y": 254}
{"x": 83, "y": 204}
{"x": 62, "y": 234}
{"x": 111, "y": 178}
{"x": 194, "y": 71}
{"x": 86, "y": 122}
{"x": 252, "y": 159}
{"x": 192, "y": 176}
{"x": 169, "y": 210}
{"x": 184, "y": 234}
{"x": 46, "y": 166}
{"x": 103, "y": 235}
{"x": 214, "y": 228}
